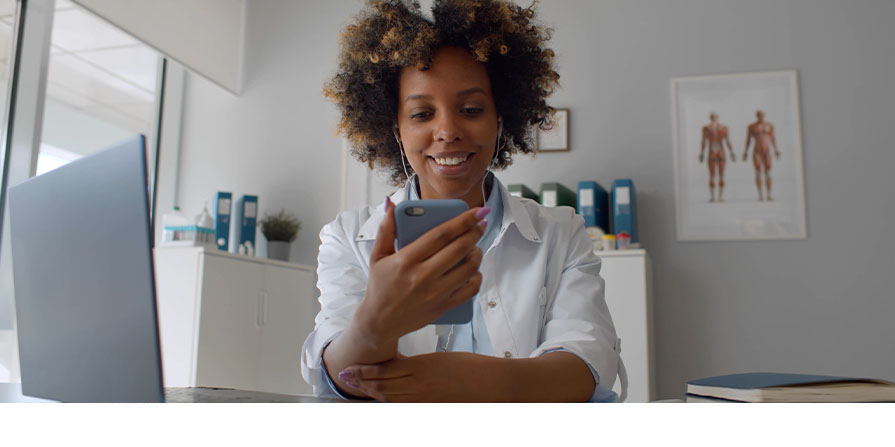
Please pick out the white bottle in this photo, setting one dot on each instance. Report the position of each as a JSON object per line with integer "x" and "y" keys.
{"x": 204, "y": 221}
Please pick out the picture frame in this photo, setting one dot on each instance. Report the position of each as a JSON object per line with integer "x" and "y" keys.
{"x": 557, "y": 138}
{"x": 760, "y": 192}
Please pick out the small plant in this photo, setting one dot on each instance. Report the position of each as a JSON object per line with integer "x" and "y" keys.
{"x": 280, "y": 227}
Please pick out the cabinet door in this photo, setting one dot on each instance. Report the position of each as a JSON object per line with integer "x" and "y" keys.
{"x": 626, "y": 296}
{"x": 288, "y": 318}
{"x": 229, "y": 330}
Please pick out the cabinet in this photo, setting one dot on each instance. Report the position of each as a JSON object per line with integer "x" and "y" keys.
{"x": 232, "y": 321}
{"x": 628, "y": 293}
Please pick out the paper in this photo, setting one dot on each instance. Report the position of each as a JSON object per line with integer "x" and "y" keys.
{"x": 250, "y": 210}
{"x": 224, "y": 207}
{"x": 623, "y": 195}
{"x": 549, "y": 198}
{"x": 586, "y": 197}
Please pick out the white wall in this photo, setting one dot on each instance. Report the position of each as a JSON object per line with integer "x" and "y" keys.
{"x": 819, "y": 305}
{"x": 276, "y": 139}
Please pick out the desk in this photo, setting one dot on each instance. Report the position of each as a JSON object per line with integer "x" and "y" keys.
{"x": 12, "y": 393}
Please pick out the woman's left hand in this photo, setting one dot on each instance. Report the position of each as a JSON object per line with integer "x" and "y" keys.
{"x": 435, "y": 377}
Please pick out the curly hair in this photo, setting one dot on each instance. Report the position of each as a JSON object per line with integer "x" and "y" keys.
{"x": 389, "y": 35}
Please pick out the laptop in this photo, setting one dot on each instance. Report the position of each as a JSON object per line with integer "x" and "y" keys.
{"x": 85, "y": 288}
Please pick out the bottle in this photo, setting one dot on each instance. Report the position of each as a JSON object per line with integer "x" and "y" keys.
{"x": 173, "y": 225}
{"x": 205, "y": 226}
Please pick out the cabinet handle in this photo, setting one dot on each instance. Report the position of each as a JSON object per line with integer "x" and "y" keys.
{"x": 259, "y": 310}
{"x": 264, "y": 308}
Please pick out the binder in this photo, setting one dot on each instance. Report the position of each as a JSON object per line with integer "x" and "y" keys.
{"x": 520, "y": 190}
{"x": 555, "y": 194}
{"x": 624, "y": 208}
{"x": 222, "y": 201}
{"x": 593, "y": 205}
{"x": 247, "y": 210}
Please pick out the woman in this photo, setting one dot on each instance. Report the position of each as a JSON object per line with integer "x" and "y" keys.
{"x": 438, "y": 103}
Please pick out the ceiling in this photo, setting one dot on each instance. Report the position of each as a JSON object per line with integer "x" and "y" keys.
{"x": 94, "y": 68}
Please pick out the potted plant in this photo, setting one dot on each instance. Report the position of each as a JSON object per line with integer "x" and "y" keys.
{"x": 280, "y": 230}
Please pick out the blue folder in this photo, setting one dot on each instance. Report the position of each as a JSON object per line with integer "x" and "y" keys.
{"x": 624, "y": 208}
{"x": 222, "y": 201}
{"x": 593, "y": 205}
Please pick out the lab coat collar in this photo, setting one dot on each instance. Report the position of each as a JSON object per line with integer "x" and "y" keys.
{"x": 513, "y": 212}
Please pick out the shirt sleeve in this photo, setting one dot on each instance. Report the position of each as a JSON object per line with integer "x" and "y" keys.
{"x": 577, "y": 318}
{"x": 342, "y": 281}
{"x": 600, "y": 394}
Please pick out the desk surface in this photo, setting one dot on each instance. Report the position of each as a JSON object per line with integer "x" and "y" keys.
{"x": 12, "y": 393}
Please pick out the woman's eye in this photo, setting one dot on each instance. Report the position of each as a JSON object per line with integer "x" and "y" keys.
{"x": 472, "y": 110}
{"x": 419, "y": 115}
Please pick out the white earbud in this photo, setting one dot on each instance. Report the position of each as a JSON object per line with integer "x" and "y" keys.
{"x": 401, "y": 147}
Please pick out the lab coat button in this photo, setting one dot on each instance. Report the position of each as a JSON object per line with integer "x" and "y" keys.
{"x": 492, "y": 304}
{"x": 508, "y": 354}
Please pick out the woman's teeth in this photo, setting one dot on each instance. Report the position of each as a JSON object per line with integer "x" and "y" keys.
{"x": 450, "y": 161}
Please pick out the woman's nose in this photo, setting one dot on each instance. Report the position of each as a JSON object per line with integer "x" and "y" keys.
{"x": 447, "y": 129}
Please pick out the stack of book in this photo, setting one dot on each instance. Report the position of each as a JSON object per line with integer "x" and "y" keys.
{"x": 778, "y": 387}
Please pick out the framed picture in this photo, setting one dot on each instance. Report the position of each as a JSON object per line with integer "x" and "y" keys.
{"x": 738, "y": 157}
{"x": 557, "y": 138}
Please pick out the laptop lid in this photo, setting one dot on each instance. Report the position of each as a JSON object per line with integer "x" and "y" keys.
{"x": 84, "y": 285}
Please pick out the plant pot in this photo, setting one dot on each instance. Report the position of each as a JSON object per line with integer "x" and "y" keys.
{"x": 278, "y": 250}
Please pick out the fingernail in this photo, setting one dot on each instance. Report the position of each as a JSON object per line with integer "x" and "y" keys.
{"x": 484, "y": 223}
{"x": 351, "y": 384}
{"x": 482, "y": 212}
{"x": 345, "y": 375}
{"x": 388, "y": 201}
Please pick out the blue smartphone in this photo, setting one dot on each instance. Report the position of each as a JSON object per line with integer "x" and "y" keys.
{"x": 413, "y": 218}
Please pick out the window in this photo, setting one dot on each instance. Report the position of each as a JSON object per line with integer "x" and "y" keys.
{"x": 101, "y": 88}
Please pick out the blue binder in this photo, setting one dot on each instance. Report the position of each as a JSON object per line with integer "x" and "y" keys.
{"x": 221, "y": 212}
{"x": 248, "y": 215}
{"x": 624, "y": 208}
{"x": 593, "y": 205}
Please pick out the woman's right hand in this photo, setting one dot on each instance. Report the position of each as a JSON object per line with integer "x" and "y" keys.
{"x": 410, "y": 288}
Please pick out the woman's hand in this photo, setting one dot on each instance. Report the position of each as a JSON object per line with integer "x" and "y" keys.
{"x": 436, "y": 377}
{"x": 409, "y": 289}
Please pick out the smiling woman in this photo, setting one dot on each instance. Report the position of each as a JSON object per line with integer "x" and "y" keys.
{"x": 438, "y": 104}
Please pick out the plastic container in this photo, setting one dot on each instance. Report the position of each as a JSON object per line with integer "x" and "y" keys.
{"x": 608, "y": 242}
{"x": 173, "y": 225}
{"x": 178, "y": 231}
{"x": 623, "y": 240}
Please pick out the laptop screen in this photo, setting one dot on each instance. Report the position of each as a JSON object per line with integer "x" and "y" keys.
{"x": 84, "y": 287}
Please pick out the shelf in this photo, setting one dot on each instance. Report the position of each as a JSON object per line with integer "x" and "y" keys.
{"x": 621, "y": 253}
{"x": 224, "y": 254}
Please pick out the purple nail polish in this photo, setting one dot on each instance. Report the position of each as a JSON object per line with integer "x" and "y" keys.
{"x": 484, "y": 223}
{"x": 351, "y": 384}
{"x": 482, "y": 212}
{"x": 345, "y": 375}
{"x": 388, "y": 201}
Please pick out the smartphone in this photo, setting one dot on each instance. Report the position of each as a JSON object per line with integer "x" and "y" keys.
{"x": 413, "y": 218}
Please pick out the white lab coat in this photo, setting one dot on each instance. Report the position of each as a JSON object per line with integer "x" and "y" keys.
{"x": 541, "y": 289}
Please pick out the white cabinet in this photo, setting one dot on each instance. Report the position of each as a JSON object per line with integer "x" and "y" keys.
{"x": 628, "y": 294}
{"x": 233, "y": 321}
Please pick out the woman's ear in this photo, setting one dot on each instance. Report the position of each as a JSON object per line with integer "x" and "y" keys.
{"x": 395, "y": 132}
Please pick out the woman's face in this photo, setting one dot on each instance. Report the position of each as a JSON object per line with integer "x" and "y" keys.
{"x": 447, "y": 123}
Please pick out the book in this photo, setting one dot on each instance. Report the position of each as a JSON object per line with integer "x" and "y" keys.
{"x": 593, "y": 205}
{"x": 782, "y": 387}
